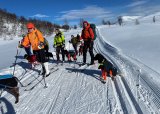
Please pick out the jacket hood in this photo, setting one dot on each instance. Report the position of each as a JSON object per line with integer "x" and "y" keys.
{"x": 85, "y": 22}
{"x": 88, "y": 25}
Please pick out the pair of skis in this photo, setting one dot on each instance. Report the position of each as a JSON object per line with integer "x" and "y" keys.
{"x": 40, "y": 80}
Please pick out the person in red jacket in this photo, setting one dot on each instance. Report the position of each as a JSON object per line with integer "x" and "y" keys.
{"x": 88, "y": 37}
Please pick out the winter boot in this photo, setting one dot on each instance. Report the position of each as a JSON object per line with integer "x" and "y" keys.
{"x": 46, "y": 69}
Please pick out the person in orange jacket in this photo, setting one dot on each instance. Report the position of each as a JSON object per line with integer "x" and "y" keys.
{"x": 88, "y": 38}
{"x": 36, "y": 40}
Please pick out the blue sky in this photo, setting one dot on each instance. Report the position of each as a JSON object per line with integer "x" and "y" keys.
{"x": 57, "y": 11}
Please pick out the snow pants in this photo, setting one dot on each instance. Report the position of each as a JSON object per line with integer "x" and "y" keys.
{"x": 40, "y": 55}
{"x": 58, "y": 49}
{"x": 88, "y": 44}
{"x": 28, "y": 50}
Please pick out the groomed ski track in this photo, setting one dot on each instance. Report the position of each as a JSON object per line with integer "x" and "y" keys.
{"x": 77, "y": 90}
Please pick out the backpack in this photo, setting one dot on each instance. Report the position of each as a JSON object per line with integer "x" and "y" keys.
{"x": 93, "y": 27}
{"x": 45, "y": 40}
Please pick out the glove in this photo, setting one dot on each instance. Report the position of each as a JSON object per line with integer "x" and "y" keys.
{"x": 41, "y": 44}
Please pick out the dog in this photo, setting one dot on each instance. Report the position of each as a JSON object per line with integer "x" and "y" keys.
{"x": 31, "y": 59}
{"x": 10, "y": 84}
{"x": 48, "y": 55}
{"x": 81, "y": 49}
{"x": 107, "y": 68}
{"x": 69, "y": 54}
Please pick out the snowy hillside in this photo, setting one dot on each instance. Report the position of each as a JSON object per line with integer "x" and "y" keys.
{"x": 130, "y": 18}
{"x": 150, "y": 17}
{"x": 10, "y": 31}
{"x": 77, "y": 90}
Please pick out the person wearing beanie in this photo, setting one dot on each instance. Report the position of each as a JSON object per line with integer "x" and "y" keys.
{"x": 35, "y": 38}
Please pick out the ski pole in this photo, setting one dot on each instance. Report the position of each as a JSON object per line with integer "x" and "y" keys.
{"x": 15, "y": 61}
{"x": 45, "y": 85}
{"x": 15, "y": 68}
{"x": 19, "y": 82}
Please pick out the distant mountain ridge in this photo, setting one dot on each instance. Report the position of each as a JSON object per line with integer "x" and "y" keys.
{"x": 12, "y": 25}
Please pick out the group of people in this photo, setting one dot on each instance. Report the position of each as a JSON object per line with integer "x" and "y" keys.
{"x": 34, "y": 39}
{"x": 87, "y": 36}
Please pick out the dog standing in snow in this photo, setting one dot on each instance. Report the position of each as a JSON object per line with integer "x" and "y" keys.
{"x": 106, "y": 67}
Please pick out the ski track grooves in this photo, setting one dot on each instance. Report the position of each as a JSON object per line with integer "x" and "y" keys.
{"x": 77, "y": 92}
{"x": 156, "y": 92}
{"x": 127, "y": 95}
{"x": 118, "y": 106}
{"x": 118, "y": 92}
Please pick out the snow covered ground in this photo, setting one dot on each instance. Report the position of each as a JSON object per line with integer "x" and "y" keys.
{"x": 77, "y": 90}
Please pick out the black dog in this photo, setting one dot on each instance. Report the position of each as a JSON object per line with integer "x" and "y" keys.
{"x": 106, "y": 66}
{"x": 48, "y": 55}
